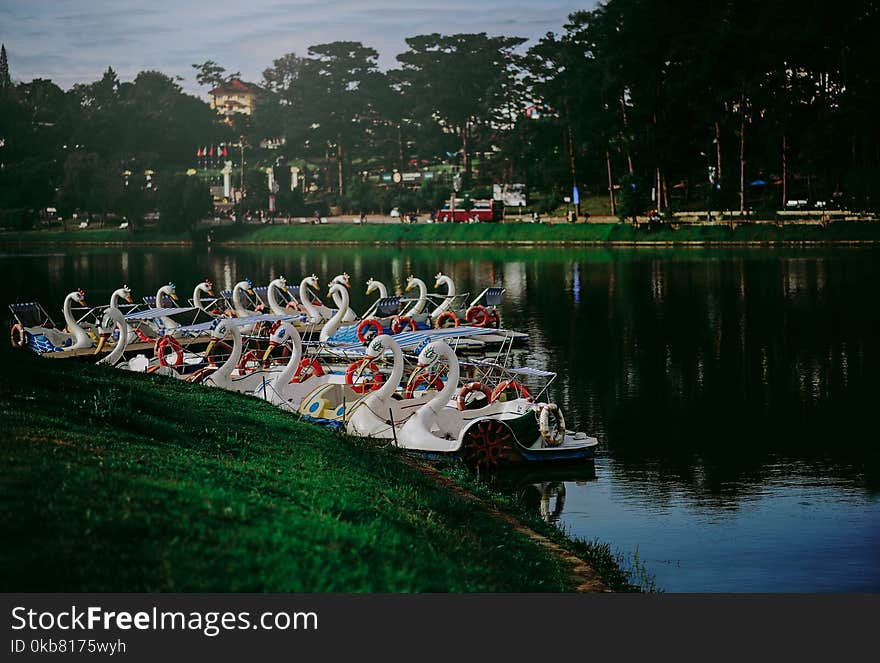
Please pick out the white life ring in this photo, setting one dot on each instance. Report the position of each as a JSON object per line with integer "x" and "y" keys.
{"x": 552, "y": 439}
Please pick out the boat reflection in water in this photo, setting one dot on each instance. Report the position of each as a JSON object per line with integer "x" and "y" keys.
{"x": 542, "y": 489}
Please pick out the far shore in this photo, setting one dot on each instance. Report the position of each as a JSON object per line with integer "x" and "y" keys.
{"x": 550, "y": 232}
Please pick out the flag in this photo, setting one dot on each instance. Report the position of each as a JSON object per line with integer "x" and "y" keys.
{"x": 198, "y": 151}
{"x": 211, "y": 151}
{"x": 224, "y": 151}
{"x": 205, "y": 151}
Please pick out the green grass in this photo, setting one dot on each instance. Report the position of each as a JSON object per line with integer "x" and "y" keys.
{"x": 122, "y": 482}
{"x": 489, "y": 233}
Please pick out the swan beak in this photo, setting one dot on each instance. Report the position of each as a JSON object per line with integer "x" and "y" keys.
{"x": 211, "y": 293}
{"x": 174, "y": 297}
{"x": 101, "y": 341}
{"x": 129, "y": 300}
{"x": 268, "y": 351}
{"x": 250, "y": 291}
{"x": 210, "y": 347}
{"x": 347, "y": 284}
{"x": 82, "y": 302}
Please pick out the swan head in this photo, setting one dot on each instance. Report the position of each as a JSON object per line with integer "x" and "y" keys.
{"x": 277, "y": 336}
{"x": 311, "y": 281}
{"x": 281, "y": 284}
{"x": 337, "y": 287}
{"x": 219, "y": 330}
{"x": 378, "y": 346}
{"x": 125, "y": 293}
{"x": 371, "y": 285}
{"x": 79, "y": 296}
{"x": 439, "y": 279}
{"x": 247, "y": 285}
{"x": 410, "y": 282}
{"x": 207, "y": 287}
{"x": 431, "y": 354}
{"x": 342, "y": 279}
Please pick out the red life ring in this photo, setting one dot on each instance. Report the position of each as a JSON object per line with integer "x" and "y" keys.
{"x": 469, "y": 389}
{"x": 422, "y": 379}
{"x": 309, "y": 363}
{"x": 20, "y": 341}
{"x": 370, "y": 385}
{"x": 447, "y": 315}
{"x": 249, "y": 356}
{"x": 201, "y": 374}
{"x": 400, "y": 321}
{"x": 511, "y": 384}
{"x": 477, "y": 316}
{"x": 163, "y": 344}
{"x": 370, "y": 322}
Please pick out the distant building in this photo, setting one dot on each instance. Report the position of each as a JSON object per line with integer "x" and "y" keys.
{"x": 236, "y": 96}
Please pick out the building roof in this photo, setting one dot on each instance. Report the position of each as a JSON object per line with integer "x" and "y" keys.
{"x": 235, "y": 86}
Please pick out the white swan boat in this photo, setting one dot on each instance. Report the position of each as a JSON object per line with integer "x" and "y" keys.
{"x": 491, "y": 436}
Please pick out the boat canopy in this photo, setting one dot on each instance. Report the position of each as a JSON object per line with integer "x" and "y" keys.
{"x": 151, "y": 313}
{"x": 416, "y": 340}
{"x": 238, "y": 322}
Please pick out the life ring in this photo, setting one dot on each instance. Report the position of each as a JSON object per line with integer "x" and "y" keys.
{"x": 369, "y": 385}
{"x": 200, "y": 375}
{"x": 169, "y": 342}
{"x": 247, "y": 357}
{"x": 553, "y": 439}
{"x": 470, "y": 388}
{"x": 443, "y": 317}
{"x": 400, "y": 321}
{"x": 308, "y": 363}
{"x": 20, "y": 341}
{"x": 511, "y": 384}
{"x": 477, "y": 316}
{"x": 422, "y": 379}
{"x": 364, "y": 324}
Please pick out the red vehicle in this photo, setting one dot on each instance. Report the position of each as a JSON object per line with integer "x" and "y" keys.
{"x": 481, "y": 210}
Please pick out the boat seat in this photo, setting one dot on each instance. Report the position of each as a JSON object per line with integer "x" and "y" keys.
{"x": 30, "y": 314}
{"x": 388, "y": 306}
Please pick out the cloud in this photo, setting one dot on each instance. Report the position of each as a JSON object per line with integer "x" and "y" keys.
{"x": 74, "y": 41}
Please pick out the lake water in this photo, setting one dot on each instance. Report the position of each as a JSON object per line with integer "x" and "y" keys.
{"x": 732, "y": 391}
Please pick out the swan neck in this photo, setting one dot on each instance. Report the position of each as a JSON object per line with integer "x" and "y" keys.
{"x": 274, "y": 304}
{"x": 333, "y": 324}
{"x": 118, "y": 318}
{"x": 442, "y": 398}
{"x": 286, "y": 375}
{"x": 229, "y": 365}
{"x": 305, "y": 297}
{"x": 387, "y": 390}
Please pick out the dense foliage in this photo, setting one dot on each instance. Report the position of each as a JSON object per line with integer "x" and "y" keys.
{"x": 723, "y": 105}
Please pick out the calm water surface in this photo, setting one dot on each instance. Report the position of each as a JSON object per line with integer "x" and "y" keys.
{"x": 734, "y": 393}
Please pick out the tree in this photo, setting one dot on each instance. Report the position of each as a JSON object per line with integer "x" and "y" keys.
{"x": 183, "y": 201}
{"x": 211, "y": 74}
{"x": 5, "y": 78}
{"x": 458, "y": 81}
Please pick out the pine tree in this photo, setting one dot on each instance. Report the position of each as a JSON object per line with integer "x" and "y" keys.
{"x": 5, "y": 80}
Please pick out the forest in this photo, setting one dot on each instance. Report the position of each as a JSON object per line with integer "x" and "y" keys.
{"x": 679, "y": 104}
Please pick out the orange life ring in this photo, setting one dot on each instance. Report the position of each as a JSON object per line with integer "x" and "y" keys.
{"x": 370, "y": 322}
{"x": 163, "y": 344}
{"x": 17, "y": 343}
{"x": 308, "y": 363}
{"x": 477, "y": 316}
{"x": 422, "y": 379}
{"x": 443, "y": 317}
{"x": 371, "y": 385}
{"x": 494, "y": 318}
{"x": 511, "y": 384}
{"x": 400, "y": 321}
{"x": 469, "y": 388}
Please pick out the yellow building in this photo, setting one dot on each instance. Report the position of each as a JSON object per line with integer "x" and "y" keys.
{"x": 236, "y": 96}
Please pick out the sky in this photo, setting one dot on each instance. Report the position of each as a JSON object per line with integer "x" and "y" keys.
{"x": 74, "y": 41}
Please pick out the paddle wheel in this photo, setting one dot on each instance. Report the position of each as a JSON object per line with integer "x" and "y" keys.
{"x": 486, "y": 444}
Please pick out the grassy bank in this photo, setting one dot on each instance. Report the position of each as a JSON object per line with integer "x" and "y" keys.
{"x": 121, "y": 482}
{"x": 488, "y": 233}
